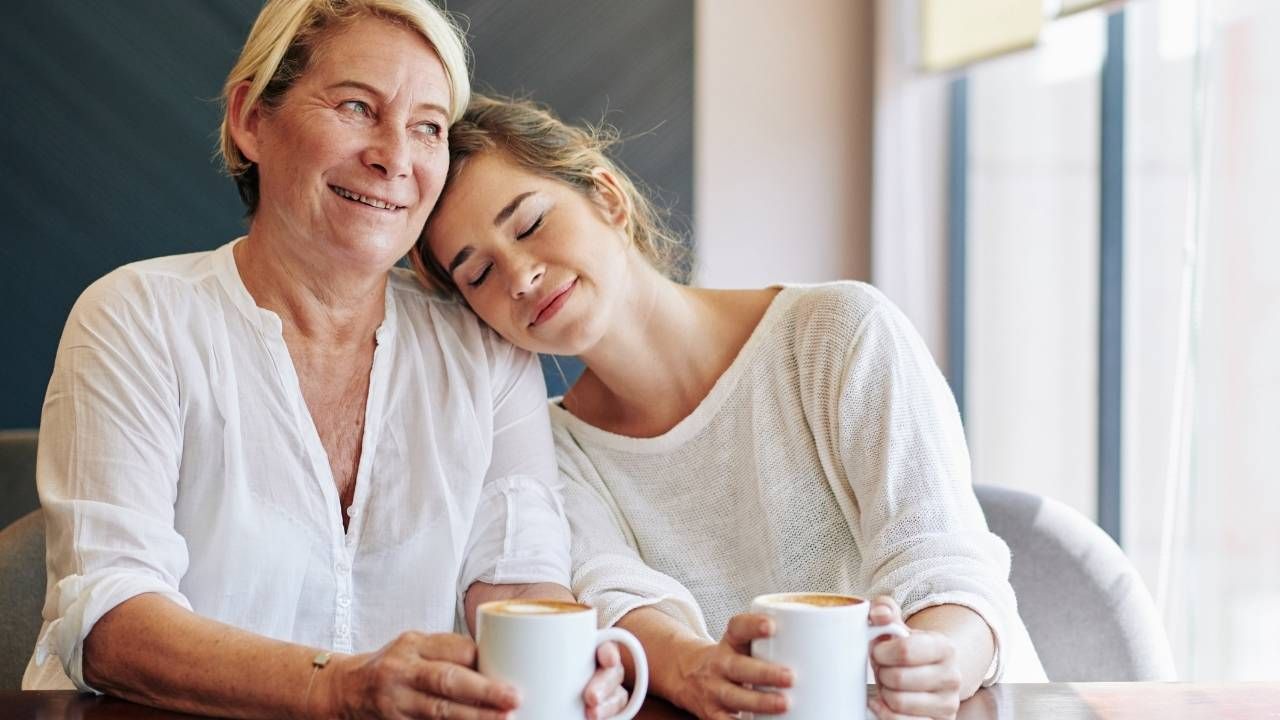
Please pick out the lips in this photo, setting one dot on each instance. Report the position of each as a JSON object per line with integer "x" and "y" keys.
{"x": 551, "y": 304}
{"x": 367, "y": 200}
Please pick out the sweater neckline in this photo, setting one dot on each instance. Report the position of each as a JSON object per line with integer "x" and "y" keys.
{"x": 693, "y": 423}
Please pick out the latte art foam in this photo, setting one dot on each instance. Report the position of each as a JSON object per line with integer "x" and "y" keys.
{"x": 809, "y": 601}
{"x": 533, "y": 607}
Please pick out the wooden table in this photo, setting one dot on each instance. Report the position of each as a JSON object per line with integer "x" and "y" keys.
{"x": 1056, "y": 701}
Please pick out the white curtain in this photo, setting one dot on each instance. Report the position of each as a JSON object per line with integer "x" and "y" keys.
{"x": 909, "y": 198}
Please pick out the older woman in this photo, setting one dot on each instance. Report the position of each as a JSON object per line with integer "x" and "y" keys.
{"x": 262, "y": 465}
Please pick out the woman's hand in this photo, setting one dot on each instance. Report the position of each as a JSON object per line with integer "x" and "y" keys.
{"x": 415, "y": 676}
{"x": 713, "y": 676}
{"x": 605, "y": 696}
{"x": 919, "y": 675}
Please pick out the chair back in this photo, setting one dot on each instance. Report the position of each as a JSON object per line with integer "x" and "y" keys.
{"x": 22, "y": 585}
{"x": 1087, "y": 610}
{"x": 17, "y": 475}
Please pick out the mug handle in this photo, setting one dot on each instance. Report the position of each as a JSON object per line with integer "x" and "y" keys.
{"x": 894, "y": 629}
{"x": 641, "y": 663}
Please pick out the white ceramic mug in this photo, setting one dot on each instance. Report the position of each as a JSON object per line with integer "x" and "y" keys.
{"x": 823, "y": 638}
{"x": 547, "y": 650}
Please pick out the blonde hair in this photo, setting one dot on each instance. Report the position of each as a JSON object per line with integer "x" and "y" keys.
{"x": 532, "y": 137}
{"x": 285, "y": 37}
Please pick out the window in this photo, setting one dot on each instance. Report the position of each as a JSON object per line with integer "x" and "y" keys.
{"x": 1198, "y": 384}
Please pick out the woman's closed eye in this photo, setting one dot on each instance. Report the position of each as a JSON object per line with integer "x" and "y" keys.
{"x": 531, "y": 229}
{"x": 479, "y": 277}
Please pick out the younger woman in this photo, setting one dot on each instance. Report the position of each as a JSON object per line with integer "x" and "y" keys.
{"x": 726, "y": 443}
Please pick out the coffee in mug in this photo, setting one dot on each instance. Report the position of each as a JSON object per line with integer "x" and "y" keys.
{"x": 823, "y": 639}
{"x": 547, "y": 650}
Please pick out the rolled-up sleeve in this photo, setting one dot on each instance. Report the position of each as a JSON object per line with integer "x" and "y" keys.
{"x": 107, "y": 469}
{"x": 923, "y": 537}
{"x": 520, "y": 533}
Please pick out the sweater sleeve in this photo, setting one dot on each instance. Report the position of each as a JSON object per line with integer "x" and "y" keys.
{"x": 902, "y": 451}
{"x": 609, "y": 573}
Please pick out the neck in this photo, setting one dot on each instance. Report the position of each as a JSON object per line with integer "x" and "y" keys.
{"x": 649, "y": 372}
{"x": 315, "y": 301}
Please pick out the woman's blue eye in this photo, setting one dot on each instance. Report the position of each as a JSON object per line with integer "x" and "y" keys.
{"x": 356, "y": 106}
{"x": 431, "y": 128}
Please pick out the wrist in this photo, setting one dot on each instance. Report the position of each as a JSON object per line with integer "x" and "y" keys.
{"x": 686, "y": 654}
{"x": 326, "y": 699}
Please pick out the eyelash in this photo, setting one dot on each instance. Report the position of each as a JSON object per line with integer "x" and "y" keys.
{"x": 532, "y": 228}
{"x": 364, "y": 107}
{"x": 480, "y": 278}
{"x": 485, "y": 272}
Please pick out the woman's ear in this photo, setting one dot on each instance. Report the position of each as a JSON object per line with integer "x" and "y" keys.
{"x": 611, "y": 199}
{"x": 243, "y": 126}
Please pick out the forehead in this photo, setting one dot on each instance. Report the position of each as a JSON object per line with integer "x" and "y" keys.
{"x": 383, "y": 53}
{"x": 464, "y": 214}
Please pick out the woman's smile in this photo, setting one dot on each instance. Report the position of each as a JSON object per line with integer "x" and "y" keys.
{"x": 549, "y": 306}
{"x": 369, "y": 201}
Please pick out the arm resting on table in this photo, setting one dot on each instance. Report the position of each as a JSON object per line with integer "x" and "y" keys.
{"x": 149, "y": 650}
{"x": 970, "y": 636}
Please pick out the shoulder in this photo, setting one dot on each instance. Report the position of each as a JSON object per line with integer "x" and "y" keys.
{"x": 133, "y": 293}
{"x": 442, "y": 314}
{"x": 839, "y": 314}
{"x": 428, "y": 314}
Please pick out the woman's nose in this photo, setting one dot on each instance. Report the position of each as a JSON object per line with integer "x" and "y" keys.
{"x": 525, "y": 277}
{"x": 388, "y": 153}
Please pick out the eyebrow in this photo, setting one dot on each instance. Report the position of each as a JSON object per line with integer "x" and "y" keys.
{"x": 460, "y": 258}
{"x": 378, "y": 93}
{"x": 506, "y": 212}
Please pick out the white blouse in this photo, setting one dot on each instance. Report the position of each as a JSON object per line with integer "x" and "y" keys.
{"x": 829, "y": 456}
{"x": 178, "y": 457}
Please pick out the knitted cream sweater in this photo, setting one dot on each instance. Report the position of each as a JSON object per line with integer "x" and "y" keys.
{"x": 828, "y": 457}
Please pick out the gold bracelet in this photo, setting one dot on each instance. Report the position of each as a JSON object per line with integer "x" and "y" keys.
{"x": 319, "y": 661}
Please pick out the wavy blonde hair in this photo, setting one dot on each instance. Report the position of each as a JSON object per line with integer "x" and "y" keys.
{"x": 285, "y": 37}
{"x": 532, "y": 137}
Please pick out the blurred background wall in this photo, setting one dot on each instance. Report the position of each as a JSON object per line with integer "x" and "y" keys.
{"x": 110, "y": 116}
{"x": 751, "y": 122}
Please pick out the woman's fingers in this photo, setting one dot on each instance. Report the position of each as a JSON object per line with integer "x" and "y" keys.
{"x": 735, "y": 698}
{"x": 920, "y": 648}
{"x": 924, "y": 678}
{"x": 449, "y": 681}
{"x": 438, "y": 708}
{"x": 608, "y": 655}
{"x": 610, "y": 707}
{"x": 445, "y": 647}
{"x": 746, "y": 670}
{"x": 603, "y": 685}
{"x": 744, "y": 628}
{"x": 885, "y": 610}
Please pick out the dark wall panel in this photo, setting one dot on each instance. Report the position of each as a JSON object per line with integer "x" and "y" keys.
{"x": 109, "y": 117}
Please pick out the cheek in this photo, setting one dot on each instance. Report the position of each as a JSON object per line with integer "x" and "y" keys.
{"x": 495, "y": 311}
{"x": 431, "y": 174}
